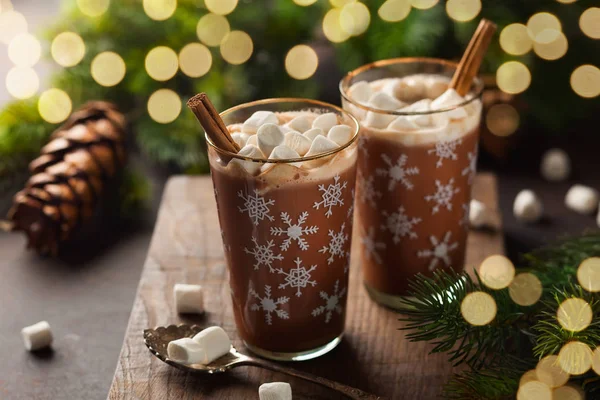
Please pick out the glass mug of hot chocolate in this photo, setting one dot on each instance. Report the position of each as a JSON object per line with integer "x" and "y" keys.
{"x": 285, "y": 204}
{"x": 417, "y": 158}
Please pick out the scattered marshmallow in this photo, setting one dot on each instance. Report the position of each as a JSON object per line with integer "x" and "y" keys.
{"x": 341, "y": 134}
{"x": 361, "y": 92}
{"x": 325, "y": 121}
{"x": 240, "y": 138}
{"x": 249, "y": 150}
{"x": 187, "y": 351}
{"x": 37, "y": 336}
{"x": 582, "y": 199}
{"x": 253, "y": 140}
{"x": 214, "y": 342}
{"x": 189, "y": 299}
{"x": 297, "y": 142}
{"x": 556, "y": 165}
{"x": 275, "y": 391}
{"x": 384, "y": 101}
{"x": 527, "y": 206}
{"x": 299, "y": 124}
{"x": 321, "y": 144}
{"x": 479, "y": 215}
{"x": 402, "y": 124}
{"x": 410, "y": 89}
{"x": 313, "y": 133}
{"x": 258, "y": 119}
{"x": 450, "y": 98}
{"x": 268, "y": 137}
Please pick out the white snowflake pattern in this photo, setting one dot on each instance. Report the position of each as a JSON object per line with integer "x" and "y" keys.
{"x": 440, "y": 250}
{"x": 269, "y": 305}
{"x": 336, "y": 244}
{"x": 371, "y": 246}
{"x": 332, "y": 195}
{"x": 362, "y": 145}
{"x": 351, "y": 208}
{"x": 298, "y": 277}
{"x": 445, "y": 151}
{"x": 256, "y": 206}
{"x": 399, "y": 224}
{"x": 443, "y": 196}
{"x": 294, "y": 231}
{"x": 397, "y": 173}
{"x": 332, "y": 303}
{"x": 263, "y": 254}
{"x": 367, "y": 192}
{"x": 472, "y": 167}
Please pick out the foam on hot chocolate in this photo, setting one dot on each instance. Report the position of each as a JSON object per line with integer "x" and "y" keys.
{"x": 415, "y": 93}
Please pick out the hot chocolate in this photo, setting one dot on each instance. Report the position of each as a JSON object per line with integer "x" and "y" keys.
{"x": 286, "y": 226}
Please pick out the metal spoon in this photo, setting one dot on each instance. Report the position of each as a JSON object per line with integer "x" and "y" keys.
{"x": 158, "y": 339}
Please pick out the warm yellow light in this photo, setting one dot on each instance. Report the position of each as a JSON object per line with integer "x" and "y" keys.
{"x": 525, "y": 289}
{"x": 528, "y": 377}
{"x": 589, "y": 22}
{"x": 340, "y": 3}
{"x": 496, "y": 272}
{"x": 585, "y": 81}
{"x": 12, "y": 23}
{"x": 355, "y": 18}
{"x": 513, "y": 77}
{"x": 301, "y": 62}
{"x": 221, "y": 7}
{"x": 502, "y": 119}
{"x": 54, "y": 106}
{"x": 24, "y": 50}
{"x": 195, "y": 60}
{"x": 236, "y": 47}
{"x": 553, "y": 49}
{"x": 574, "y": 314}
{"x": 93, "y": 8}
{"x": 540, "y": 22}
{"x": 596, "y": 360}
{"x": 478, "y": 308}
{"x": 160, "y": 10}
{"x": 567, "y": 393}
{"x": 566, "y": 1}
{"x": 575, "y": 358}
{"x": 515, "y": 40}
{"x": 161, "y": 63}
{"x": 22, "y": 82}
{"x": 588, "y": 274}
{"x": 534, "y": 390}
{"x": 332, "y": 27}
{"x": 305, "y": 3}
{"x": 394, "y": 10}
{"x": 423, "y": 4}
{"x": 212, "y": 28}
{"x": 463, "y": 10}
{"x": 68, "y": 49}
{"x": 108, "y": 68}
{"x": 164, "y": 106}
{"x": 549, "y": 372}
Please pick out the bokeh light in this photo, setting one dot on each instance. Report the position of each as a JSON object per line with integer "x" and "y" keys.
{"x": 93, "y": 8}
{"x": 596, "y": 360}
{"x": 423, "y": 4}
{"x": 394, "y": 10}
{"x": 237, "y": 47}
{"x": 566, "y": 1}
{"x": 496, "y": 272}
{"x": 301, "y": 62}
{"x": 575, "y": 358}
{"x": 585, "y": 81}
{"x": 22, "y": 82}
{"x": 513, "y": 77}
{"x": 515, "y": 40}
{"x": 463, "y": 10}
{"x": 502, "y": 119}
{"x": 160, "y": 10}
{"x": 534, "y": 390}
{"x": 332, "y": 27}
{"x": 108, "y": 69}
{"x": 567, "y": 393}
{"x": 24, "y": 50}
{"x": 478, "y": 308}
{"x": 526, "y": 289}
{"x": 588, "y": 274}
{"x": 355, "y": 18}
{"x": 212, "y": 28}
{"x": 221, "y": 7}
{"x": 340, "y": 3}
{"x": 551, "y": 49}
{"x": 540, "y": 22}
{"x": 68, "y": 49}
{"x": 161, "y": 63}
{"x": 528, "y": 377}
{"x": 305, "y": 3}
{"x": 164, "y": 106}
{"x": 195, "y": 60}
{"x": 589, "y": 22}
{"x": 54, "y": 106}
{"x": 12, "y": 23}
{"x": 574, "y": 314}
{"x": 549, "y": 372}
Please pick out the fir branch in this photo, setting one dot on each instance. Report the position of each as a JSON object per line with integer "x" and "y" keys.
{"x": 493, "y": 383}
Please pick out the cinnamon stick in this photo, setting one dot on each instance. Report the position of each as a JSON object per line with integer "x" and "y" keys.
{"x": 471, "y": 61}
{"x": 212, "y": 123}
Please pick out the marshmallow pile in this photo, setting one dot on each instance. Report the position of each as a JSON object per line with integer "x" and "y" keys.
{"x": 263, "y": 136}
{"x": 204, "y": 348}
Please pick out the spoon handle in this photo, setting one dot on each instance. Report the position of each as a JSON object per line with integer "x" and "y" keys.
{"x": 349, "y": 391}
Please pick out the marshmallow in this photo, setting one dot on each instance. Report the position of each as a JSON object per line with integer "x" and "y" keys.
{"x": 582, "y": 199}
{"x": 321, "y": 145}
{"x": 361, "y": 92}
{"x": 297, "y": 142}
{"x": 424, "y": 120}
{"x": 300, "y": 124}
{"x": 402, "y": 124}
{"x": 527, "y": 206}
{"x": 253, "y": 140}
{"x": 341, "y": 134}
{"x": 556, "y": 165}
{"x": 249, "y": 150}
{"x": 275, "y": 391}
{"x": 450, "y": 98}
{"x": 258, "y": 119}
{"x": 410, "y": 89}
{"x": 479, "y": 215}
{"x": 281, "y": 152}
{"x": 435, "y": 87}
{"x": 325, "y": 121}
{"x": 215, "y": 343}
{"x": 313, "y": 133}
{"x": 37, "y": 336}
{"x": 187, "y": 351}
{"x": 390, "y": 87}
{"x": 384, "y": 101}
{"x": 269, "y": 136}
{"x": 240, "y": 138}
{"x": 378, "y": 120}
{"x": 189, "y": 299}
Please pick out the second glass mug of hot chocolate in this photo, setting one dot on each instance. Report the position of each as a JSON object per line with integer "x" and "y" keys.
{"x": 418, "y": 149}
{"x": 286, "y": 227}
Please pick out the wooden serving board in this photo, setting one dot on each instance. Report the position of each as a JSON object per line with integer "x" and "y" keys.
{"x": 186, "y": 248}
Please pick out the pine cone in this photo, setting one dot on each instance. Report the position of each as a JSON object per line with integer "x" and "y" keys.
{"x": 69, "y": 176}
